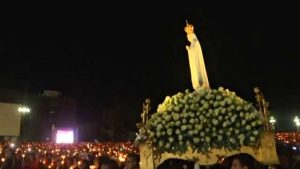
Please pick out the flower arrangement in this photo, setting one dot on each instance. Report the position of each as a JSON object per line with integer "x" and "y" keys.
{"x": 203, "y": 119}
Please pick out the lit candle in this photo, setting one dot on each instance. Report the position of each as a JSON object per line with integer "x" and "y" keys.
{"x": 92, "y": 167}
{"x": 12, "y": 145}
{"x": 121, "y": 158}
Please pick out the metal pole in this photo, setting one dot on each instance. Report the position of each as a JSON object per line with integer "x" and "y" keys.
{"x": 22, "y": 127}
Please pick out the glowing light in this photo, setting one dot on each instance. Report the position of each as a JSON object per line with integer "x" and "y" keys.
{"x": 2, "y": 159}
{"x": 294, "y": 148}
{"x": 122, "y": 159}
{"x": 297, "y": 121}
{"x": 24, "y": 109}
{"x": 272, "y": 120}
{"x": 92, "y": 167}
{"x": 65, "y": 136}
{"x": 12, "y": 145}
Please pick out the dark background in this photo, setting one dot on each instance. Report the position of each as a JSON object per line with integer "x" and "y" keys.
{"x": 112, "y": 58}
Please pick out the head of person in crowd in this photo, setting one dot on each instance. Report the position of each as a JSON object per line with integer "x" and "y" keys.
{"x": 132, "y": 161}
{"x": 244, "y": 161}
{"x": 84, "y": 164}
{"x": 69, "y": 162}
{"x": 286, "y": 156}
{"x": 9, "y": 153}
{"x": 98, "y": 161}
{"x": 109, "y": 164}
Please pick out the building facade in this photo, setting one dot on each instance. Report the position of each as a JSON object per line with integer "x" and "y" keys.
{"x": 48, "y": 110}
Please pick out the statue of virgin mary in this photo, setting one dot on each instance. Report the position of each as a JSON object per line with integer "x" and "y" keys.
{"x": 196, "y": 61}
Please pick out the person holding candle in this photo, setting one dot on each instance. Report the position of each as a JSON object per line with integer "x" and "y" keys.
{"x": 10, "y": 160}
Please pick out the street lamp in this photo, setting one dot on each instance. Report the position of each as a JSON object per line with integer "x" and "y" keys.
{"x": 272, "y": 121}
{"x": 297, "y": 122}
{"x": 23, "y": 110}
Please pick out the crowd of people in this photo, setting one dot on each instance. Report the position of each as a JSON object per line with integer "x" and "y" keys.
{"x": 237, "y": 161}
{"x": 108, "y": 155}
{"x": 288, "y": 137}
{"x": 122, "y": 155}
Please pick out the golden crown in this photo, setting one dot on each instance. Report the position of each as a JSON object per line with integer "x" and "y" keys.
{"x": 189, "y": 28}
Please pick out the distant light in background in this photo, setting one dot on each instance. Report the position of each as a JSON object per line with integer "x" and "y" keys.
{"x": 24, "y": 109}
{"x": 294, "y": 148}
{"x": 297, "y": 122}
{"x": 65, "y": 136}
{"x": 272, "y": 121}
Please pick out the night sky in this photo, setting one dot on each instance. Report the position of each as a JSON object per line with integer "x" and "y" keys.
{"x": 111, "y": 61}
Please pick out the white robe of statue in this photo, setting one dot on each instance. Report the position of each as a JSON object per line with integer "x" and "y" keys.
{"x": 197, "y": 65}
